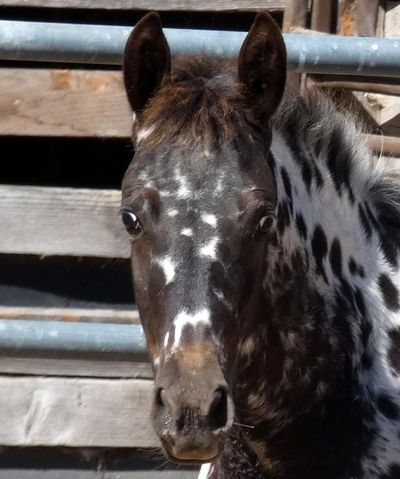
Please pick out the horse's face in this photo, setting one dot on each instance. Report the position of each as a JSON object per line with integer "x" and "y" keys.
{"x": 199, "y": 219}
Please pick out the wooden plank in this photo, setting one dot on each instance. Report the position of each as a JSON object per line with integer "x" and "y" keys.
{"x": 295, "y": 14}
{"x": 160, "y": 5}
{"x": 360, "y": 86}
{"x": 322, "y": 14}
{"x": 384, "y": 109}
{"x": 358, "y": 17}
{"x": 386, "y": 145}
{"x": 53, "y": 102}
{"x": 347, "y": 17}
{"x": 367, "y": 17}
{"x": 74, "y": 368}
{"x": 70, "y": 314}
{"x": 295, "y": 17}
{"x": 392, "y": 19}
{"x": 75, "y": 412}
{"x": 62, "y": 221}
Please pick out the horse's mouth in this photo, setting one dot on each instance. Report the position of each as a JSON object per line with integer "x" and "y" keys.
{"x": 191, "y": 457}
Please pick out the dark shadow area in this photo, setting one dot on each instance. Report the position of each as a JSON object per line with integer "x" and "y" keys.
{"x": 42, "y": 458}
{"x": 172, "y": 19}
{"x": 65, "y": 282}
{"x": 77, "y": 162}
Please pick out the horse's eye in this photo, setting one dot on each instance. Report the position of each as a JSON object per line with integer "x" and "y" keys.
{"x": 131, "y": 222}
{"x": 265, "y": 224}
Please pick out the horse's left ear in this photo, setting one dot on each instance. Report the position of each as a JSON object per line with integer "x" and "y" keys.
{"x": 147, "y": 61}
{"x": 262, "y": 65}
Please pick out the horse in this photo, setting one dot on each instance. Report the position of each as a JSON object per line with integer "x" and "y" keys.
{"x": 265, "y": 253}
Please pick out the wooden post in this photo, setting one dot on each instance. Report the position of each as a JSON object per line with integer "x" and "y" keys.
{"x": 358, "y": 17}
{"x": 295, "y": 16}
{"x": 322, "y": 15}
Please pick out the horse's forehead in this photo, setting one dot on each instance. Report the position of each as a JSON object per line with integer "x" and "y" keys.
{"x": 187, "y": 183}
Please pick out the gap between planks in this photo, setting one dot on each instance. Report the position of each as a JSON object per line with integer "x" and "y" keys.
{"x": 160, "y": 5}
{"x": 70, "y": 314}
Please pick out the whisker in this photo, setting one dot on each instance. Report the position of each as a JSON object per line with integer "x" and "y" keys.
{"x": 243, "y": 425}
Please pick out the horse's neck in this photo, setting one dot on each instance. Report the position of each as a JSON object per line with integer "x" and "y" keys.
{"x": 319, "y": 348}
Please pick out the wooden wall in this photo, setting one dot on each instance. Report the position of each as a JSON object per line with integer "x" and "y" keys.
{"x": 47, "y": 212}
{"x": 59, "y": 402}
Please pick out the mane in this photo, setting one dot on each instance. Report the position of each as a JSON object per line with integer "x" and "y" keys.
{"x": 325, "y": 138}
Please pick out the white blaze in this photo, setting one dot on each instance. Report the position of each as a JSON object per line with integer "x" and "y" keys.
{"x": 193, "y": 319}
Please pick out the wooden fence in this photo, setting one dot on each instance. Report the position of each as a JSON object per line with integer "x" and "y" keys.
{"x": 59, "y": 402}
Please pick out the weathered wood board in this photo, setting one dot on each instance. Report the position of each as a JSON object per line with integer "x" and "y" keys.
{"x": 161, "y": 5}
{"x": 392, "y": 19}
{"x": 74, "y": 368}
{"x": 70, "y": 314}
{"x": 62, "y": 221}
{"x": 75, "y": 412}
{"x": 68, "y": 103}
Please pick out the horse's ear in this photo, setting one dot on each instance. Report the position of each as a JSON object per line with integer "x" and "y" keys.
{"x": 262, "y": 65}
{"x": 147, "y": 61}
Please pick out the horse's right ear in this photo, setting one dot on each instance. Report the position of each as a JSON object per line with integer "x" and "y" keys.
{"x": 262, "y": 65}
{"x": 147, "y": 61}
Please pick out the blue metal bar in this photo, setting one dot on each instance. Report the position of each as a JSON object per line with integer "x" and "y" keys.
{"x": 62, "y": 339}
{"x": 99, "y": 44}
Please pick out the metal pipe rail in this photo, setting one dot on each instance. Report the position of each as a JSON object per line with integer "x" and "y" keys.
{"x": 103, "y": 45}
{"x": 27, "y": 338}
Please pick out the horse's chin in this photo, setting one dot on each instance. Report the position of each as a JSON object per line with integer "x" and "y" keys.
{"x": 190, "y": 458}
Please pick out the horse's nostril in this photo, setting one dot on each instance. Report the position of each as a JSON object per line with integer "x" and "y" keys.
{"x": 160, "y": 397}
{"x": 218, "y": 415}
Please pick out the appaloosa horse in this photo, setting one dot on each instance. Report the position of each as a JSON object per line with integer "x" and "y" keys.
{"x": 265, "y": 251}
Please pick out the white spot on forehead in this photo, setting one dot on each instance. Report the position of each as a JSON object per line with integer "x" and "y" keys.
{"x": 209, "y": 250}
{"x": 193, "y": 319}
{"x": 209, "y": 219}
{"x": 218, "y": 188}
{"x": 156, "y": 361}
{"x": 187, "y": 232}
{"x": 168, "y": 266}
{"x": 183, "y": 189}
{"x": 133, "y": 117}
{"x": 172, "y": 213}
{"x": 144, "y": 133}
{"x": 165, "y": 193}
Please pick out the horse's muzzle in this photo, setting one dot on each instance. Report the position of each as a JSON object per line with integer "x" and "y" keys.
{"x": 192, "y": 411}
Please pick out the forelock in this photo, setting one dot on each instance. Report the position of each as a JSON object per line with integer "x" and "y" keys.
{"x": 200, "y": 101}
